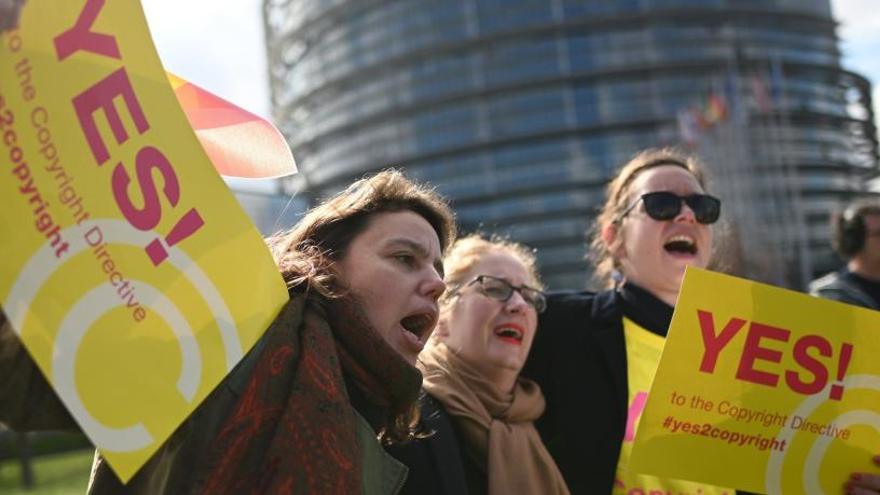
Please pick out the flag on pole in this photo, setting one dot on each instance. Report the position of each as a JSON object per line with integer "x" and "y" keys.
{"x": 760, "y": 93}
{"x": 688, "y": 127}
{"x": 716, "y": 109}
{"x": 239, "y": 143}
{"x": 776, "y": 79}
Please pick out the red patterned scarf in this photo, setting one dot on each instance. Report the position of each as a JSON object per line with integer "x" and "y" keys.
{"x": 292, "y": 430}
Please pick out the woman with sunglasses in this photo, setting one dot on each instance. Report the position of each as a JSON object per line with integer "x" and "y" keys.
{"x": 597, "y": 353}
{"x": 471, "y": 366}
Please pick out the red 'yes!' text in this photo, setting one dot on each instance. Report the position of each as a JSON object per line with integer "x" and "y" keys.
{"x": 101, "y": 96}
{"x": 812, "y": 353}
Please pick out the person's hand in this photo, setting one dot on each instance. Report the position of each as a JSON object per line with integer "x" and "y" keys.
{"x": 863, "y": 483}
{"x": 10, "y": 10}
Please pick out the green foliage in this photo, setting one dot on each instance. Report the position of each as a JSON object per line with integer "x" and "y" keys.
{"x": 57, "y": 474}
{"x": 41, "y": 443}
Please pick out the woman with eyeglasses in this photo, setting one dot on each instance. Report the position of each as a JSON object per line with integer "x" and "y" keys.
{"x": 471, "y": 366}
{"x": 596, "y": 353}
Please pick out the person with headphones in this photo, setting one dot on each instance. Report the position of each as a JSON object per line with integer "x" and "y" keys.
{"x": 856, "y": 238}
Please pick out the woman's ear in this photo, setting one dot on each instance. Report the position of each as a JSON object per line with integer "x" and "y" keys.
{"x": 442, "y": 330}
{"x": 610, "y": 236}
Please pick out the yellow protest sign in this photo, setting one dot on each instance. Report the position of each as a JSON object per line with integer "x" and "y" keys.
{"x": 762, "y": 389}
{"x": 127, "y": 268}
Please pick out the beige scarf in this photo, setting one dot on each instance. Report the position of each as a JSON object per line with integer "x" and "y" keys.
{"x": 497, "y": 428}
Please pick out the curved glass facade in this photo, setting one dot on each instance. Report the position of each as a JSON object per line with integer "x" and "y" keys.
{"x": 520, "y": 110}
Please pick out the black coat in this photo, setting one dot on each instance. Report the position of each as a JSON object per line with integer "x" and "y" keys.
{"x": 579, "y": 359}
{"x": 840, "y": 286}
{"x": 435, "y": 463}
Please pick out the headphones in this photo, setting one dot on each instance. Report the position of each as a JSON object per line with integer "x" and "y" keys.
{"x": 849, "y": 232}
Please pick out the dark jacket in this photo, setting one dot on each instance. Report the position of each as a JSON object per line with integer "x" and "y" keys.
{"x": 579, "y": 359}
{"x": 435, "y": 463}
{"x": 839, "y": 288}
{"x": 27, "y": 403}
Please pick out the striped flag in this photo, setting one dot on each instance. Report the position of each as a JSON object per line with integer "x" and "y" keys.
{"x": 239, "y": 143}
{"x": 716, "y": 109}
{"x": 761, "y": 93}
{"x": 688, "y": 127}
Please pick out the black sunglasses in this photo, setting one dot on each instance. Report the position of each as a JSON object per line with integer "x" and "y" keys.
{"x": 665, "y": 205}
{"x": 502, "y": 290}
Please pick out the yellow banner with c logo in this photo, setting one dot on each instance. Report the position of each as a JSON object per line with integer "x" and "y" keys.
{"x": 762, "y": 389}
{"x": 128, "y": 269}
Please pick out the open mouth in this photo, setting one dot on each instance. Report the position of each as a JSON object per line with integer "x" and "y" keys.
{"x": 419, "y": 325}
{"x": 681, "y": 244}
{"x": 510, "y": 334}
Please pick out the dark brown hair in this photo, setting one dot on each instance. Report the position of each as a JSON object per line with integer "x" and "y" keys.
{"x": 848, "y": 227}
{"x": 306, "y": 253}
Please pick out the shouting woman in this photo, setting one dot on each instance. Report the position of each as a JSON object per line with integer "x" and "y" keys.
{"x": 305, "y": 410}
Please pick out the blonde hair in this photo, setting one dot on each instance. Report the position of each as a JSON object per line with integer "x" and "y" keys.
{"x": 467, "y": 252}
{"x": 306, "y": 253}
{"x": 617, "y": 196}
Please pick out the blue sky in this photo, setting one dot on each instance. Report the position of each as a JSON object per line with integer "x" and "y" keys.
{"x": 220, "y": 45}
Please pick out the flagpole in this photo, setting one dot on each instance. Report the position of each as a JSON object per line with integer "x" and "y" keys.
{"x": 790, "y": 170}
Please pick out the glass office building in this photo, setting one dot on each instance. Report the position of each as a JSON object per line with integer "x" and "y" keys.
{"x": 521, "y": 110}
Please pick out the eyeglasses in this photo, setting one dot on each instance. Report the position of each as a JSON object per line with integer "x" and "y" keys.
{"x": 665, "y": 205}
{"x": 502, "y": 290}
